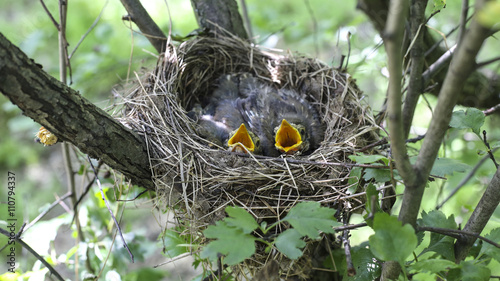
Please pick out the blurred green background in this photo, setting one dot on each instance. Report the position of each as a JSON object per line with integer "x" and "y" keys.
{"x": 114, "y": 51}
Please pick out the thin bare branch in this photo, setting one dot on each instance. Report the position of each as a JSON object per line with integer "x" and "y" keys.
{"x": 484, "y": 63}
{"x": 491, "y": 110}
{"x": 51, "y": 206}
{"x": 246, "y": 19}
{"x": 56, "y": 24}
{"x": 464, "y": 181}
{"x": 34, "y": 253}
{"x": 88, "y": 30}
{"x": 110, "y": 211}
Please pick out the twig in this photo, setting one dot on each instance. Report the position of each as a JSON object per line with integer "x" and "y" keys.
{"x": 110, "y": 211}
{"x": 487, "y": 144}
{"x": 415, "y": 139}
{"x": 315, "y": 26}
{"x": 484, "y": 63}
{"x": 377, "y": 143}
{"x": 351, "y": 270}
{"x": 348, "y": 50}
{"x": 458, "y": 232}
{"x": 436, "y": 44}
{"x": 246, "y": 18}
{"x": 350, "y": 226}
{"x": 491, "y": 110}
{"x": 56, "y": 24}
{"x": 464, "y": 180}
{"x": 88, "y": 30}
{"x": 133, "y": 199}
{"x": 37, "y": 256}
{"x": 42, "y": 214}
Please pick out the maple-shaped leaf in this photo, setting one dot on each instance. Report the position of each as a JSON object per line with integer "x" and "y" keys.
{"x": 230, "y": 241}
{"x": 290, "y": 243}
{"x": 309, "y": 218}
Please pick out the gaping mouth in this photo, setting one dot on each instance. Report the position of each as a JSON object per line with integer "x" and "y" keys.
{"x": 241, "y": 140}
{"x": 288, "y": 139}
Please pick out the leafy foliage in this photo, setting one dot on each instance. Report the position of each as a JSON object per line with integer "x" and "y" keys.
{"x": 439, "y": 243}
{"x": 308, "y": 218}
{"x": 472, "y": 118}
{"x": 233, "y": 237}
{"x": 392, "y": 241}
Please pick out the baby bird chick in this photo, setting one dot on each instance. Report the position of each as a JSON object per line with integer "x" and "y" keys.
{"x": 221, "y": 122}
{"x": 282, "y": 119}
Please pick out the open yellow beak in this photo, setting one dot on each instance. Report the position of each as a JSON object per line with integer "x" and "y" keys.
{"x": 288, "y": 138}
{"x": 240, "y": 140}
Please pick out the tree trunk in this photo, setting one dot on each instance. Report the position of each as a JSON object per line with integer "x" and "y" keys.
{"x": 221, "y": 13}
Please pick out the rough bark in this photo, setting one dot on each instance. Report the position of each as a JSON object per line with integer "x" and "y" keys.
{"x": 70, "y": 117}
{"x": 148, "y": 27}
{"x": 480, "y": 90}
{"x": 222, "y": 13}
{"x": 479, "y": 218}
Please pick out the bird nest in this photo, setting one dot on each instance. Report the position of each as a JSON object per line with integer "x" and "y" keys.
{"x": 197, "y": 179}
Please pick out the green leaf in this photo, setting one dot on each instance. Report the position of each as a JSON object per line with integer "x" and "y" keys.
{"x": 472, "y": 118}
{"x": 146, "y": 273}
{"x": 439, "y": 243}
{"x": 379, "y": 175}
{"x": 371, "y": 191}
{"x": 469, "y": 271}
{"x": 366, "y": 267}
{"x": 367, "y": 159}
{"x": 289, "y": 243}
{"x": 173, "y": 244}
{"x": 353, "y": 181}
{"x": 445, "y": 166}
{"x": 392, "y": 241}
{"x": 240, "y": 218}
{"x": 432, "y": 266}
{"x": 490, "y": 250}
{"x": 308, "y": 218}
{"x": 231, "y": 242}
{"x": 438, "y": 5}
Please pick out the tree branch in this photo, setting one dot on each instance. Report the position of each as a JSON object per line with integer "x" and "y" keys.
{"x": 70, "y": 117}
{"x": 393, "y": 38}
{"x": 148, "y": 27}
{"x": 460, "y": 68}
{"x": 415, "y": 86}
{"x": 481, "y": 215}
{"x": 213, "y": 14}
{"x": 481, "y": 89}
{"x": 33, "y": 252}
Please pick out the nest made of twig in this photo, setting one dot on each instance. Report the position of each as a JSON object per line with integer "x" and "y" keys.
{"x": 199, "y": 180}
